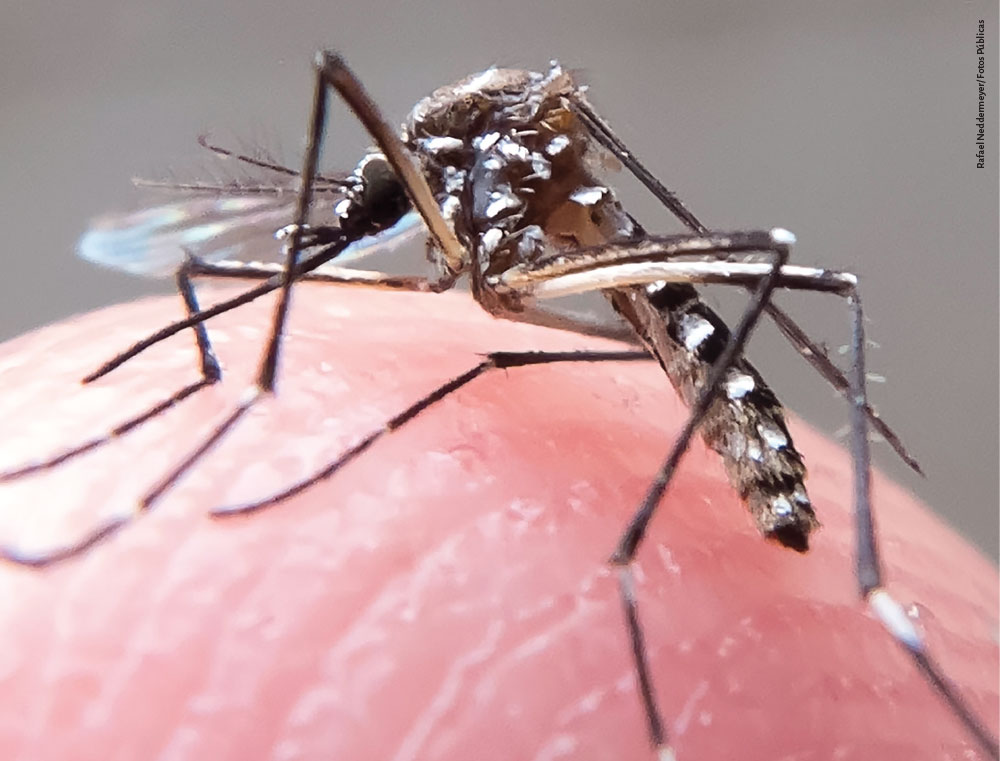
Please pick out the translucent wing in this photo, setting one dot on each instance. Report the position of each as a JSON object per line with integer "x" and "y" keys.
{"x": 226, "y": 224}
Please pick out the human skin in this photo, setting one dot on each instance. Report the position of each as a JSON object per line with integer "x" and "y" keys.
{"x": 446, "y": 594}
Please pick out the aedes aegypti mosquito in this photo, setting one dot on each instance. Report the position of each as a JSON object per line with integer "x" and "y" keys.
{"x": 500, "y": 168}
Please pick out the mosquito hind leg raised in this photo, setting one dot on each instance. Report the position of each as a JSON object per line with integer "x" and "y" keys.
{"x": 808, "y": 349}
{"x": 868, "y": 561}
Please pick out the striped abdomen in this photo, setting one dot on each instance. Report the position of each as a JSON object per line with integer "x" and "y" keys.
{"x": 745, "y": 424}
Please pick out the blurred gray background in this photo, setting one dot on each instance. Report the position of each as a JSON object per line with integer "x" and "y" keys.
{"x": 850, "y": 123}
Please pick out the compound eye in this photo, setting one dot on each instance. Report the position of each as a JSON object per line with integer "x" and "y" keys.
{"x": 376, "y": 170}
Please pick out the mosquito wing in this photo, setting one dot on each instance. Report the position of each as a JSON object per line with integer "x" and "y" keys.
{"x": 229, "y": 224}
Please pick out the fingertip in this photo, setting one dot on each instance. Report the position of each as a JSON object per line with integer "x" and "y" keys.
{"x": 445, "y": 592}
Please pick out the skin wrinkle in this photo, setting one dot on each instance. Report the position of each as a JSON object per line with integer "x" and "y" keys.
{"x": 117, "y": 679}
{"x": 426, "y": 571}
{"x": 312, "y": 701}
{"x": 586, "y": 704}
{"x": 528, "y": 648}
{"x": 225, "y": 662}
{"x": 357, "y": 637}
{"x": 559, "y": 746}
{"x": 444, "y": 698}
{"x": 686, "y": 713}
{"x": 55, "y": 662}
{"x": 58, "y": 665}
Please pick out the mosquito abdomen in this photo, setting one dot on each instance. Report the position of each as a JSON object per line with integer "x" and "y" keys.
{"x": 745, "y": 424}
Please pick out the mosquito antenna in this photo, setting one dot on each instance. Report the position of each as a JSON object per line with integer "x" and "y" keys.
{"x": 211, "y": 188}
{"x": 271, "y": 166}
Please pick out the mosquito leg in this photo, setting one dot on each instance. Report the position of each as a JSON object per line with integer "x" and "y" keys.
{"x": 818, "y": 358}
{"x": 500, "y": 360}
{"x": 115, "y": 433}
{"x": 621, "y": 272}
{"x": 335, "y": 71}
{"x": 271, "y": 284}
{"x": 268, "y": 368}
{"x": 869, "y": 567}
{"x": 210, "y": 373}
{"x": 631, "y": 538}
{"x": 210, "y": 369}
{"x": 344, "y": 277}
{"x": 605, "y": 135}
{"x": 331, "y": 72}
{"x": 67, "y": 552}
{"x": 272, "y": 281}
{"x": 328, "y": 274}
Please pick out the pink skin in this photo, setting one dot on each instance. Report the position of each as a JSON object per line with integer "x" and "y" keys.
{"x": 444, "y": 596}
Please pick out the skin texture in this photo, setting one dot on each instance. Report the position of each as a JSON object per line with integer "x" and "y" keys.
{"x": 444, "y": 596}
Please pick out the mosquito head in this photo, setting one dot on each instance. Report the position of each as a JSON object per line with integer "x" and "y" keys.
{"x": 374, "y": 198}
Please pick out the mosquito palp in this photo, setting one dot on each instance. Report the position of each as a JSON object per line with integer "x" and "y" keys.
{"x": 499, "y": 169}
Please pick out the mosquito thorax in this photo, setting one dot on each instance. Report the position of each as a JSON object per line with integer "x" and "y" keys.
{"x": 513, "y": 169}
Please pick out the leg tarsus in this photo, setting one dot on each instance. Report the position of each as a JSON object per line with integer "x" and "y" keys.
{"x": 492, "y": 361}
{"x": 211, "y": 373}
{"x": 116, "y": 432}
{"x": 251, "y": 398}
{"x": 52, "y": 557}
{"x": 870, "y": 577}
{"x": 895, "y": 621}
{"x": 640, "y": 657}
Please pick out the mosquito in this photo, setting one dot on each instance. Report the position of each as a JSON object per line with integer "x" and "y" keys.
{"x": 499, "y": 172}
